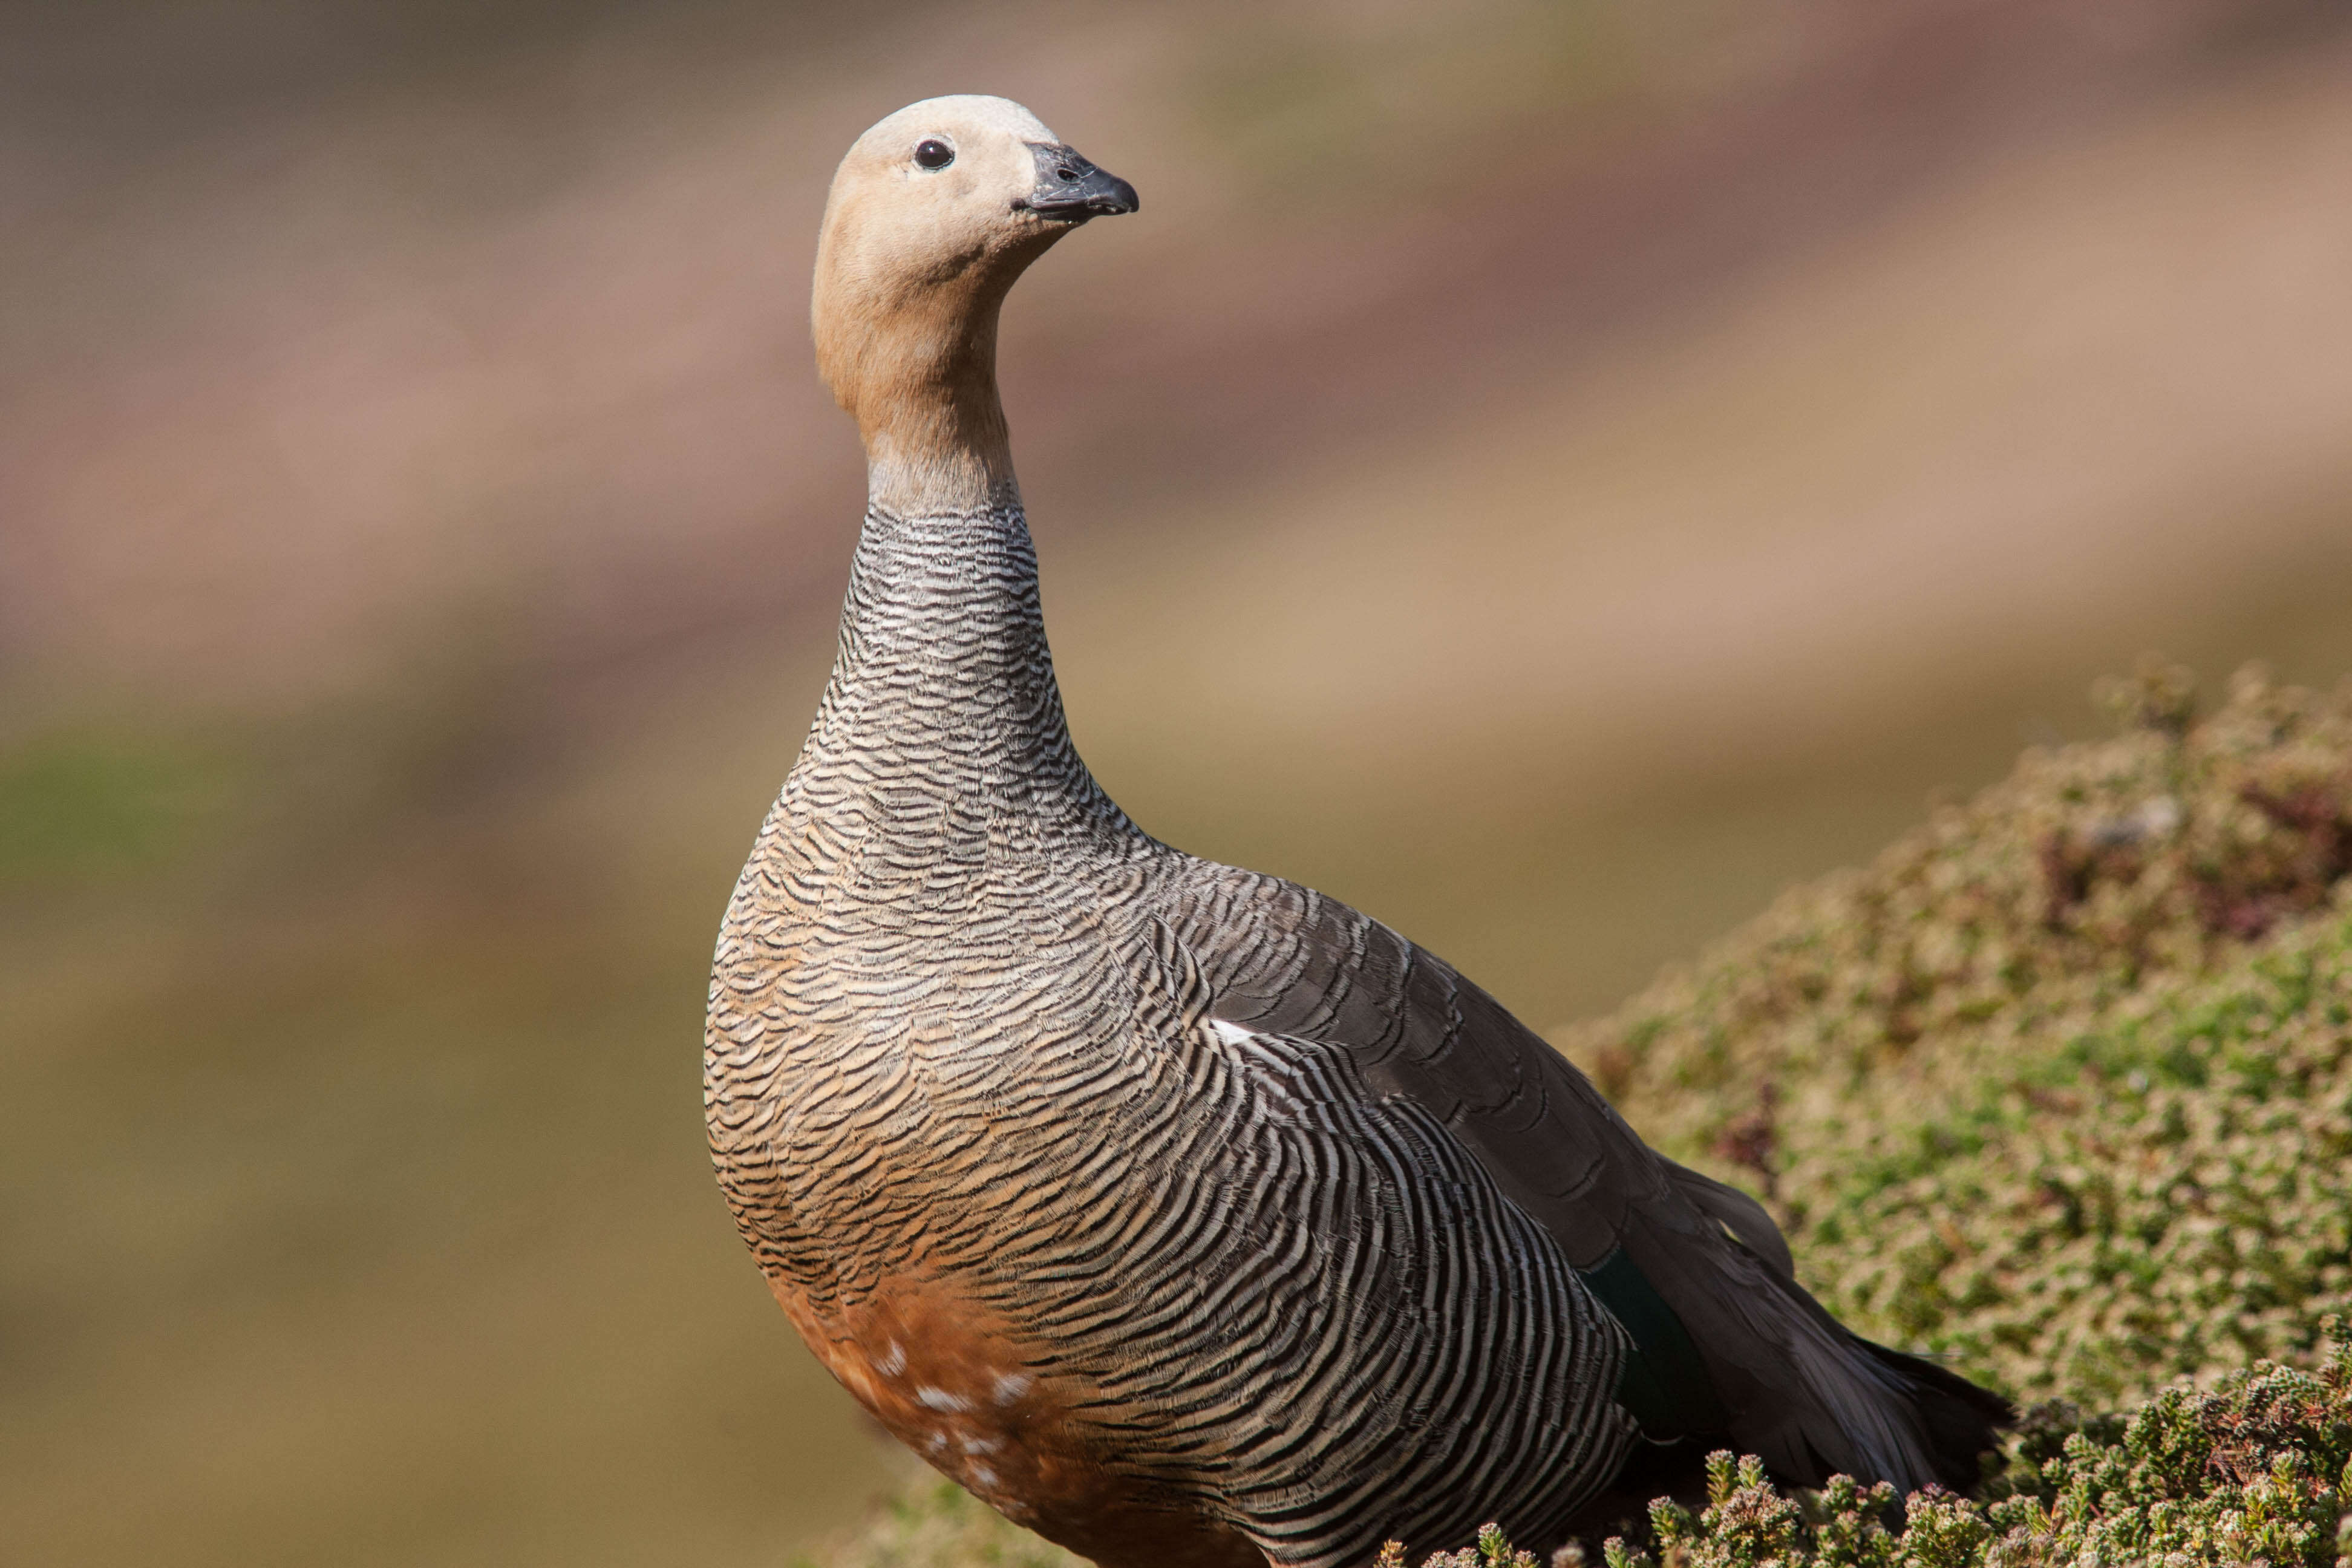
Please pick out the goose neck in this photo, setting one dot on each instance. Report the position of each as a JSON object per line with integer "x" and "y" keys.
{"x": 943, "y": 679}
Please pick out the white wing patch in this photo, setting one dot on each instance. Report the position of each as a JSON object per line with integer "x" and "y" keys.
{"x": 1265, "y": 1051}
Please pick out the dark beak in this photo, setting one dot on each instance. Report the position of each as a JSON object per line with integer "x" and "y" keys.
{"x": 1072, "y": 190}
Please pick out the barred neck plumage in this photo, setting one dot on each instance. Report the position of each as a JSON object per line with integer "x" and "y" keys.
{"x": 942, "y": 702}
{"x": 943, "y": 689}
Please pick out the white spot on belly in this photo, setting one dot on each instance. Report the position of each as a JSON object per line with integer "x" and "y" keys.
{"x": 1012, "y": 1385}
{"x": 941, "y": 1399}
{"x": 983, "y": 1475}
{"x": 891, "y": 1362}
{"x": 981, "y": 1444}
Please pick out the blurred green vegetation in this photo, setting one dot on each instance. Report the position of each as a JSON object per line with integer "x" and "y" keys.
{"x": 353, "y": 1156}
{"x": 80, "y": 805}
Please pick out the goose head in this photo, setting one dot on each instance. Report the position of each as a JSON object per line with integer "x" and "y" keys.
{"x": 932, "y": 216}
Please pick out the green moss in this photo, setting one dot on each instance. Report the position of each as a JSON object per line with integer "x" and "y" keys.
{"x": 2256, "y": 1471}
{"x": 2062, "y": 1085}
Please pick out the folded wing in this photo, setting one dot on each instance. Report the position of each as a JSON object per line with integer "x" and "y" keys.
{"x": 1730, "y": 1350}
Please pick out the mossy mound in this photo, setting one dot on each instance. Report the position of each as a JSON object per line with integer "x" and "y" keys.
{"x": 2256, "y": 1471}
{"x": 2060, "y": 1086}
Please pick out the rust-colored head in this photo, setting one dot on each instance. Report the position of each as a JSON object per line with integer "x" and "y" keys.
{"x": 933, "y": 213}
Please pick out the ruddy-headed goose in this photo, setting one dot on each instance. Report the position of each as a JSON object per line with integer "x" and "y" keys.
{"x": 1182, "y": 1214}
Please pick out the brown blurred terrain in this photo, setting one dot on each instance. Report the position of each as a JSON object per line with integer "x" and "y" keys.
{"x": 1547, "y": 474}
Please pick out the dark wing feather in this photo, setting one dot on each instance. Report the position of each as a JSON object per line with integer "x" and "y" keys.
{"x": 1737, "y": 1212}
{"x": 1794, "y": 1386}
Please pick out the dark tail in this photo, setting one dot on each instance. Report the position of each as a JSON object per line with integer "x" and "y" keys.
{"x": 1960, "y": 1420}
{"x": 1785, "y": 1380}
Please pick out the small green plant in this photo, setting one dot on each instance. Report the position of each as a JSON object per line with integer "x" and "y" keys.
{"x": 2256, "y": 1471}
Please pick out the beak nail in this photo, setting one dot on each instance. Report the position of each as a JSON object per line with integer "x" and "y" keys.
{"x": 1071, "y": 188}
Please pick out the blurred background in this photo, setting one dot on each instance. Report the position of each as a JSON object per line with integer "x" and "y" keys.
{"x": 1548, "y": 474}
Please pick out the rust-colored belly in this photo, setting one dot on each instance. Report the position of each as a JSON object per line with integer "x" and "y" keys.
{"x": 948, "y": 1378}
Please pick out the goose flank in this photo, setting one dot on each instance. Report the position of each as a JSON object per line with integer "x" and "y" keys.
{"x": 1183, "y": 1214}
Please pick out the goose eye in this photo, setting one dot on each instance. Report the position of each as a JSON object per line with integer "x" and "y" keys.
{"x": 934, "y": 153}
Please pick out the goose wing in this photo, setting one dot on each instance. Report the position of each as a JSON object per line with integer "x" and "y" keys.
{"x": 1728, "y": 1346}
